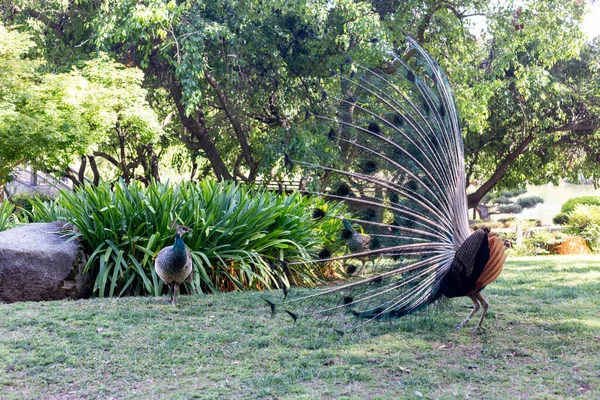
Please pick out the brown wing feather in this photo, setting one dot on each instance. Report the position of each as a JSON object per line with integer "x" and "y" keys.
{"x": 494, "y": 265}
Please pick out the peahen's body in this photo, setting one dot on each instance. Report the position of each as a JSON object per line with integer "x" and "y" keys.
{"x": 400, "y": 128}
{"x": 356, "y": 242}
{"x": 173, "y": 264}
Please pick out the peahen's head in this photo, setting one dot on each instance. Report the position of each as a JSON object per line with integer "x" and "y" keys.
{"x": 181, "y": 230}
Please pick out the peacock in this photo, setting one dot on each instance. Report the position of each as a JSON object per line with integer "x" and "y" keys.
{"x": 399, "y": 130}
{"x": 173, "y": 264}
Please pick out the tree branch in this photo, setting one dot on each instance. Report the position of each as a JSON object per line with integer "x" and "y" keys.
{"x": 235, "y": 123}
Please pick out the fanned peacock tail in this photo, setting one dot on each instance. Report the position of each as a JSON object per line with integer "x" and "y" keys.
{"x": 400, "y": 133}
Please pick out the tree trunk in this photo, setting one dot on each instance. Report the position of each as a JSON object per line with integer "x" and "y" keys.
{"x": 474, "y": 198}
{"x": 235, "y": 123}
{"x": 483, "y": 211}
{"x": 199, "y": 136}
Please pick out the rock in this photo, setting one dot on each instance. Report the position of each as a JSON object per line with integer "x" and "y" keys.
{"x": 571, "y": 245}
{"x": 38, "y": 264}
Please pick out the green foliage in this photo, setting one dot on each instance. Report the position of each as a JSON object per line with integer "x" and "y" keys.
{"x": 584, "y": 221}
{"x": 560, "y": 219}
{"x": 534, "y": 243}
{"x": 505, "y": 202}
{"x": 7, "y": 220}
{"x": 39, "y": 121}
{"x": 571, "y": 204}
{"x": 239, "y": 234}
{"x": 22, "y": 201}
{"x": 241, "y": 75}
{"x": 510, "y": 208}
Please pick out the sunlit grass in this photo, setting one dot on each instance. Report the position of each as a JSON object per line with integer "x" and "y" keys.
{"x": 542, "y": 341}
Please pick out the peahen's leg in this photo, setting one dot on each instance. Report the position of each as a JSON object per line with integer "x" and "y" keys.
{"x": 174, "y": 295}
{"x": 475, "y": 301}
{"x": 170, "y": 285}
{"x": 485, "y": 306}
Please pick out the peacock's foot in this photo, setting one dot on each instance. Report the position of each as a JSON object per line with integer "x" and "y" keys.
{"x": 461, "y": 325}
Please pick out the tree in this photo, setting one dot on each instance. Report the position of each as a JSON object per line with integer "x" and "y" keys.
{"x": 527, "y": 90}
{"x": 240, "y": 75}
{"x": 39, "y": 122}
{"x": 96, "y": 109}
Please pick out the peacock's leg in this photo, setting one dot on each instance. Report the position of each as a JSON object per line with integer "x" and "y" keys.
{"x": 485, "y": 306}
{"x": 475, "y": 301}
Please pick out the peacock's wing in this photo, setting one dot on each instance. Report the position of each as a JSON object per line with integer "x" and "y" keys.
{"x": 403, "y": 174}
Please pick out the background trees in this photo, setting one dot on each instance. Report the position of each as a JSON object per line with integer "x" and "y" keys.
{"x": 232, "y": 81}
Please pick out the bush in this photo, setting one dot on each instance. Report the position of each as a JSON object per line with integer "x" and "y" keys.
{"x": 570, "y": 204}
{"x": 534, "y": 243}
{"x": 584, "y": 221}
{"x": 560, "y": 219}
{"x": 22, "y": 200}
{"x": 510, "y": 208}
{"x": 529, "y": 201}
{"x": 239, "y": 234}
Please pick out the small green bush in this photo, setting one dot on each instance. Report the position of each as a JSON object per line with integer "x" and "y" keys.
{"x": 570, "y": 204}
{"x": 584, "y": 221}
{"x": 560, "y": 219}
{"x": 22, "y": 201}
{"x": 240, "y": 235}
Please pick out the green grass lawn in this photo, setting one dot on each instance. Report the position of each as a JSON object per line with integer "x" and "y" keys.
{"x": 542, "y": 341}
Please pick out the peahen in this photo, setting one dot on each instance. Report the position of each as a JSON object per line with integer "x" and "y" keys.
{"x": 173, "y": 264}
{"x": 357, "y": 243}
{"x": 399, "y": 130}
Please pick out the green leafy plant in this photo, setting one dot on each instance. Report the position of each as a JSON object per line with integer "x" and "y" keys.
{"x": 6, "y": 215}
{"x": 584, "y": 221}
{"x": 243, "y": 237}
{"x": 560, "y": 219}
{"x": 570, "y": 204}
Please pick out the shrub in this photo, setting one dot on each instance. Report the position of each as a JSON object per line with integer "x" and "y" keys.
{"x": 584, "y": 221}
{"x": 510, "y": 208}
{"x": 560, "y": 219}
{"x": 22, "y": 201}
{"x": 534, "y": 243}
{"x": 529, "y": 201}
{"x": 239, "y": 234}
{"x": 570, "y": 204}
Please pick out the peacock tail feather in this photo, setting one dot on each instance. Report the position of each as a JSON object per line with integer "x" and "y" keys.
{"x": 400, "y": 131}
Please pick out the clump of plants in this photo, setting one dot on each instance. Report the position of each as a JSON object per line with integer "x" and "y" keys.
{"x": 584, "y": 221}
{"x": 7, "y": 218}
{"x": 569, "y": 206}
{"x": 534, "y": 243}
{"x": 242, "y": 237}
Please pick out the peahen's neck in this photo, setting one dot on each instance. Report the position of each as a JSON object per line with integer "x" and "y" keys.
{"x": 178, "y": 246}
{"x": 348, "y": 226}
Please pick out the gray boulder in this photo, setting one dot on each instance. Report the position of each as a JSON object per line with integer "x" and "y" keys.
{"x": 38, "y": 264}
